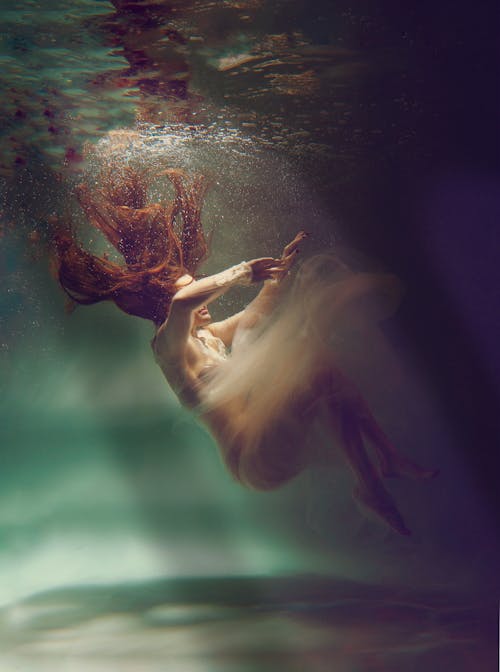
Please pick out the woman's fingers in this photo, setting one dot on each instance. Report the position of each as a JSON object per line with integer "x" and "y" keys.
{"x": 276, "y": 270}
{"x": 292, "y": 246}
{"x": 266, "y": 268}
{"x": 289, "y": 259}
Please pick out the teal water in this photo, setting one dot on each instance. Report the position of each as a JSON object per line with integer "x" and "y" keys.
{"x": 125, "y": 544}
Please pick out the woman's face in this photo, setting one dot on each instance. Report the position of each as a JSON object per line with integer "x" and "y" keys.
{"x": 202, "y": 317}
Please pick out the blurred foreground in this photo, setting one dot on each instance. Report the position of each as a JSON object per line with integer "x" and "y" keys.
{"x": 250, "y": 624}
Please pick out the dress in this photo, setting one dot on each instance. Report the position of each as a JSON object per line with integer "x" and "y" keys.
{"x": 327, "y": 320}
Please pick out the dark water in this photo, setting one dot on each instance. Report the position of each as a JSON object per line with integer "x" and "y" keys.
{"x": 375, "y": 127}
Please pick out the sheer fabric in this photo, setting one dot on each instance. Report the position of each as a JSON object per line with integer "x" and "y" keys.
{"x": 327, "y": 320}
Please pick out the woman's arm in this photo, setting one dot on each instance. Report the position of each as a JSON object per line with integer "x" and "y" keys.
{"x": 266, "y": 300}
{"x": 263, "y": 304}
{"x": 201, "y": 292}
{"x": 174, "y": 332}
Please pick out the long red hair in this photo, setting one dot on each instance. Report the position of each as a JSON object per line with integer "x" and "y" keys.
{"x": 156, "y": 249}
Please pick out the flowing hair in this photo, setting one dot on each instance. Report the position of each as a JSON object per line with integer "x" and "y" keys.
{"x": 155, "y": 249}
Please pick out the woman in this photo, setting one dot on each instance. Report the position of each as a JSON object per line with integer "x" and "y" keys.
{"x": 260, "y": 401}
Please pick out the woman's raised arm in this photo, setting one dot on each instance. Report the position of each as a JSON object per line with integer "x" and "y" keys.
{"x": 174, "y": 332}
{"x": 265, "y": 301}
{"x": 200, "y": 292}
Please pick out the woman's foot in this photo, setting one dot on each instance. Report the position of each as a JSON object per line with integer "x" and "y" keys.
{"x": 376, "y": 500}
{"x": 392, "y": 463}
{"x": 398, "y": 466}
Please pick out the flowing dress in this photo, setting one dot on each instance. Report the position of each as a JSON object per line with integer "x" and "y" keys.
{"x": 327, "y": 321}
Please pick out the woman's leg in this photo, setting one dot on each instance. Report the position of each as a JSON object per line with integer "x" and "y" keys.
{"x": 392, "y": 462}
{"x": 343, "y": 402}
{"x": 282, "y": 452}
{"x": 369, "y": 491}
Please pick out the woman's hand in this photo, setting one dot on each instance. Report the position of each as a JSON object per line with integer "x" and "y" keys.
{"x": 293, "y": 247}
{"x": 267, "y": 268}
{"x": 291, "y": 250}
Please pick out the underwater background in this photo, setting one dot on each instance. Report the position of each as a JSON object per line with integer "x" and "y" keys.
{"x": 125, "y": 544}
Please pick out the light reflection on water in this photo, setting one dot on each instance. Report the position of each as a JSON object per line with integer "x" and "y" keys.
{"x": 289, "y": 79}
{"x": 247, "y": 625}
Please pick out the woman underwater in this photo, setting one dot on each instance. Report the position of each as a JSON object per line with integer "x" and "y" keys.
{"x": 260, "y": 379}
